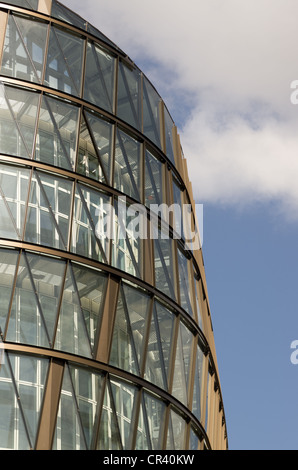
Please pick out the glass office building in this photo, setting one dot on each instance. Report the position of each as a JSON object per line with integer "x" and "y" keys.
{"x": 106, "y": 334}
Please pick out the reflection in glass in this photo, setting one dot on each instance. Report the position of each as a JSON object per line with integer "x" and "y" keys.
{"x": 197, "y": 395}
{"x": 124, "y": 400}
{"x": 156, "y": 414}
{"x": 154, "y": 185}
{"x": 182, "y": 364}
{"x": 24, "y": 48}
{"x": 184, "y": 282}
{"x": 164, "y": 263}
{"x": 176, "y": 432}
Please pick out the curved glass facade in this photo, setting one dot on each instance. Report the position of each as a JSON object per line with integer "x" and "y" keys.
{"x": 106, "y": 334}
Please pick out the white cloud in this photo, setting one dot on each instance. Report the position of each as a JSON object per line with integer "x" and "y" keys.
{"x": 232, "y": 63}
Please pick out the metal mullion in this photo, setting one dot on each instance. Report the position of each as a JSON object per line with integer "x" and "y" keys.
{"x": 19, "y": 402}
{"x": 26, "y": 49}
{"x": 90, "y": 130}
{"x": 173, "y": 353}
{"x": 166, "y": 423}
{"x": 50, "y": 209}
{"x": 71, "y": 215}
{"x": 36, "y": 125}
{"x": 92, "y": 224}
{"x": 27, "y": 202}
{"x": 3, "y": 25}
{"x": 83, "y": 77}
{"x": 192, "y": 372}
{"x": 36, "y": 298}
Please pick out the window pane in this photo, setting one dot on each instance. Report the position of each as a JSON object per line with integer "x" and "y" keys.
{"x": 29, "y": 4}
{"x": 18, "y": 113}
{"x": 154, "y": 186}
{"x": 151, "y": 104}
{"x": 57, "y": 133}
{"x": 184, "y": 282}
{"x": 99, "y": 79}
{"x": 64, "y": 62}
{"x": 182, "y": 364}
{"x": 156, "y": 414}
{"x": 129, "y": 107}
{"x": 8, "y": 262}
{"x": 24, "y": 47}
{"x": 164, "y": 264}
{"x": 127, "y": 165}
{"x": 14, "y": 188}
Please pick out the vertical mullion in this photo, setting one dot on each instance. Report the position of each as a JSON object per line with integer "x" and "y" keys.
{"x": 4, "y": 333}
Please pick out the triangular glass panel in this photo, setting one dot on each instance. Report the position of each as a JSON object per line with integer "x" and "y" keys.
{"x": 23, "y": 55}
{"x": 129, "y": 107}
{"x": 127, "y": 165}
{"x": 102, "y": 133}
{"x": 90, "y": 234}
{"x": 169, "y": 126}
{"x": 26, "y": 324}
{"x": 123, "y": 352}
{"x": 109, "y": 436}
{"x": 72, "y": 333}
{"x": 49, "y": 211}
{"x": 30, "y": 376}
{"x": 13, "y": 435}
{"x": 164, "y": 265}
{"x": 88, "y": 160}
{"x": 30, "y": 4}
{"x": 182, "y": 363}
{"x": 65, "y": 59}
{"x": 91, "y": 287}
{"x": 151, "y": 103}
{"x": 69, "y": 434}
{"x": 18, "y": 121}
{"x": 57, "y": 133}
{"x": 8, "y": 263}
{"x": 99, "y": 80}
{"x": 124, "y": 400}
{"x": 88, "y": 388}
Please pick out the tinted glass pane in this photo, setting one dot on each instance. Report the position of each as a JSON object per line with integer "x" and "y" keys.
{"x": 176, "y": 432}
{"x": 164, "y": 265}
{"x": 63, "y": 13}
{"x": 156, "y": 414}
{"x": 197, "y": 396}
{"x": 23, "y": 54}
{"x": 29, "y": 4}
{"x": 169, "y": 125}
{"x": 8, "y": 262}
{"x": 64, "y": 62}
{"x": 184, "y": 267}
{"x": 182, "y": 363}
{"x": 99, "y": 80}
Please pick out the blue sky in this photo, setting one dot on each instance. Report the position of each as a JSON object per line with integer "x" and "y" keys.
{"x": 224, "y": 69}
